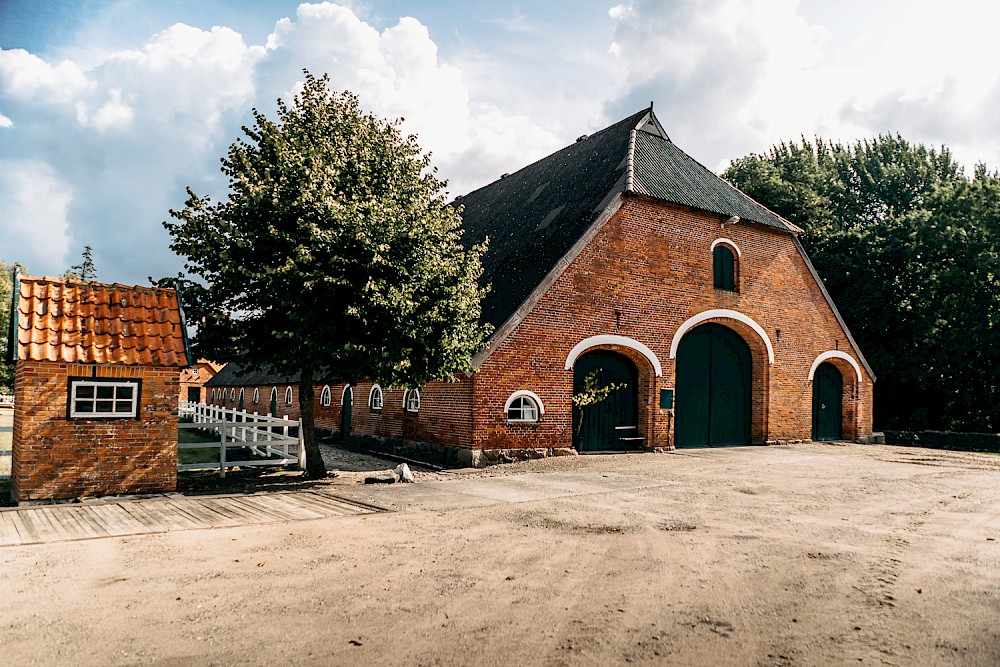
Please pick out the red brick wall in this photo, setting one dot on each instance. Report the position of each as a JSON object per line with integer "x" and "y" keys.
{"x": 653, "y": 263}
{"x": 445, "y": 414}
{"x": 56, "y": 457}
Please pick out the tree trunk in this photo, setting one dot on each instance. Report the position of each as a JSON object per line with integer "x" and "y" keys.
{"x": 314, "y": 459}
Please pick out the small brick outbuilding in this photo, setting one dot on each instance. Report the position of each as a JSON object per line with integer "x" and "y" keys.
{"x": 621, "y": 258}
{"x": 96, "y": 388}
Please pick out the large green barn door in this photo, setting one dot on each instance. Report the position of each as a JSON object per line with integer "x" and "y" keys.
{"x": 598, "y": 428}
{"x": 713, "y": 388}
{"x": 828, "y": 386}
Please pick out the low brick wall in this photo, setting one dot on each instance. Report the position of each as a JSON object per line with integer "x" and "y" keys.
{"x": 964, "y": 442}
{"x": 55, "y": 457}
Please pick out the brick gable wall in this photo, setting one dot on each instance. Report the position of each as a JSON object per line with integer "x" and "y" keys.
{"x": 652, "y": 263}
{"x": 57, "y": 458}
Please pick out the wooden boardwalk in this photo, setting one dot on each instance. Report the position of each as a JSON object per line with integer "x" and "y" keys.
{"x": 58, "y": 523}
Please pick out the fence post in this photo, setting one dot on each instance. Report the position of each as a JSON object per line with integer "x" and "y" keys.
{"x": 302, "y": 448}
{"x": 222, "y": 447}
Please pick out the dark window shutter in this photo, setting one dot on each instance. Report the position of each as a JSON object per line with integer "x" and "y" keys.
{"x": 724, "y": 265}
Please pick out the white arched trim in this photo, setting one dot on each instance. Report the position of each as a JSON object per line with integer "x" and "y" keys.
{"x": 524, "y": 392}
{"x": 325, "y": 396}
{"x": 609, "y": 339}
{"x": 343, "y": 395}
{"x": 371, "y": 397}
{"x": 835, "y": 354}
{"x": 728, "y": 242}
{"x": 721, "y": 313}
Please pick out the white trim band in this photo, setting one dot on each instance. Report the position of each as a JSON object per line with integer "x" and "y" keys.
{"x": 725, "y": 314}
{"x": 835, "y": 354}
{"x": 610, "y": 339}
{"x": 728, "y": 242}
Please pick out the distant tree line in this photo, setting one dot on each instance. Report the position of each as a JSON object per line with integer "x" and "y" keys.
{"x": 907, "y": 245}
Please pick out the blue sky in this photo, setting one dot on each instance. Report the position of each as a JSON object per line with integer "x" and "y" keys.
{"x": 108, "y": 109}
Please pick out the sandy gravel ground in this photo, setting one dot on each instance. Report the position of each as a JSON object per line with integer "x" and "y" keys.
{"x": 798, "y": 555}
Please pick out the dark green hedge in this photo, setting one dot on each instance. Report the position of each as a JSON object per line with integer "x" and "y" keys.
{"x": 963, "y": 442}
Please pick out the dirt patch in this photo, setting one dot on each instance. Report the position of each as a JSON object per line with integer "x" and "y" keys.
{"x": 796, "y": 555}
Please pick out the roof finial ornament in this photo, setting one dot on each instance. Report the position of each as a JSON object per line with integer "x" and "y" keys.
{"x": 651, "y": 105}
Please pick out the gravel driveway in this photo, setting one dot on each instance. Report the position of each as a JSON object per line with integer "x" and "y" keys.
{"x": 794, "y": 555}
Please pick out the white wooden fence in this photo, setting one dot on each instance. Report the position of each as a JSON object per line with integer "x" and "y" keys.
{"x": 266, "y": 436}
{"x": 5, "y": 454}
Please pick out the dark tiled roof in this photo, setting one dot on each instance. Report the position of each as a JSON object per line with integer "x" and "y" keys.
{"x": 77, "y": 322}
{"x": 232, "y": 375}
{"x": 663, "y": 171}
{"x": 534, "y": 216}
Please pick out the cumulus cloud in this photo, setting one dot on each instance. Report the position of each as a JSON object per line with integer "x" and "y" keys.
{"x": 35, "y": 206}
{"x": 113, "y": 143}
{"x": 731, "y": 77}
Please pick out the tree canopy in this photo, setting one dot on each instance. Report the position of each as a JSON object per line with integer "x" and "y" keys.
{"x": 85, "y": 270}
{"x": 907, "y": 246}
{"x": 335, "y": 254}
{"x": 6, "y": 296}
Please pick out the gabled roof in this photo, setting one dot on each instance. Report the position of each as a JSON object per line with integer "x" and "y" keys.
{"x": 534, "y": 216}
{"x": 79, "y": 322}
{"x": 232, "y": 375}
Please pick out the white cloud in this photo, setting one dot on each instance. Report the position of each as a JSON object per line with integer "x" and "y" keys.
{"x": 126, "y": 133}
{"x": 35, "y": 207}
{"x": 734, "y": 76}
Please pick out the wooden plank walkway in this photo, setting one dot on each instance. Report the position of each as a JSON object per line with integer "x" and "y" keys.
{"x": 87, "y": 521}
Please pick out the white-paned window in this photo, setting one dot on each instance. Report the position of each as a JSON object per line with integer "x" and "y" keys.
{"x": 524, "y": 406}
{"x": 288, "y": 396}
{"x": 411, "y": 400}
{"x": 375, "y": 398}
{"x": 325, "y": 398}
{"x": 256, "y": 396}
{"x": 115, "y": 399}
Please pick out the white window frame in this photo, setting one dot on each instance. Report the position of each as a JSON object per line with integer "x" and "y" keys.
{"x": 74, "y": 398}
{"x": 375, "y": 391}
{"x": 343, "y": 394}
{"x": 288, "y": 395}
{"x": 408, "y": 405}
{"x": 256, "y": 395}
{"x": 325, "y": 397}
{"x": 242, "y": 396}
{"x": 232, "y": 395}
{"x": 528, "y": 395}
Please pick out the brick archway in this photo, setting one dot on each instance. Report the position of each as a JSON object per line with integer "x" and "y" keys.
{"x": 761, "y": 357}
{"x": 647, "y": 364}
{"x": 850, "y": 371}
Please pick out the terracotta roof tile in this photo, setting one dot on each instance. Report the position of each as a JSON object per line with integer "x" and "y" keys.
{"x": 78, "y": 322}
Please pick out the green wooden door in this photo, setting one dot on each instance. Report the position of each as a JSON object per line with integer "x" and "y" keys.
{"x": 345, "y": 412}
{"x": 598, "y": 423}
{"x": 828, "y": 387}
{"x": 713, "y": 388}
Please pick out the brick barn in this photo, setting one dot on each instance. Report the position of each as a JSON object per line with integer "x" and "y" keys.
{"x": 623, "y": 259}
{"x": 96, "y": 388}
{"x": 193, "y": 380}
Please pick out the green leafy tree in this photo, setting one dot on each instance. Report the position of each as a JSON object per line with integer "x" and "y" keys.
{"x": 6, "y": 296}
{"x": 907, "y": 246}
{"x": 592, "y": 393}
{"x": 85, "y": 270}
{"x": 335, "y": 253}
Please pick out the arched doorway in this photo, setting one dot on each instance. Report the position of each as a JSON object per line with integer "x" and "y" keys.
{"x": 345, "y": 412}
{"x": 714, "y": 381}
{"x": 828, "y": 413}
{"x": 601, "y": 426}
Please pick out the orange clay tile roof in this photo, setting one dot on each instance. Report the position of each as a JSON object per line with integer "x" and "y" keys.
{"x": 77, "y": 322}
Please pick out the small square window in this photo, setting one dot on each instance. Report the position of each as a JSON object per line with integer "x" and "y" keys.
{"x": 95, "y": 398}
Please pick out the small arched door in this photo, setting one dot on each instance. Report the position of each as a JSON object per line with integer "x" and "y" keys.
{"x": 714, "y": 379}
{"x": 597, "y": 427}
{"x": 828, "y": 392}
{"x": 345, "y": 412}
